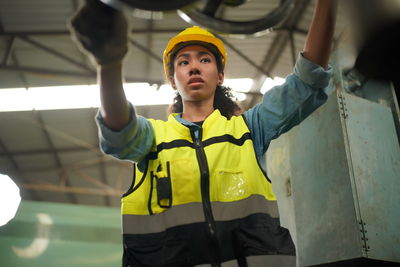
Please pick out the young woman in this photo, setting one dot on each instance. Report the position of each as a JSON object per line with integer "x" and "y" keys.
{"x": 200, "y": 195}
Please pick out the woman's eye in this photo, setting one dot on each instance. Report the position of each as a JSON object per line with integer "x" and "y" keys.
{"x": 184, "y": 62}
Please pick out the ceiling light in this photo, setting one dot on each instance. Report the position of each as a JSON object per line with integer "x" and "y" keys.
{"x": 270, "y": 83}
{"x": 239, "y": 85}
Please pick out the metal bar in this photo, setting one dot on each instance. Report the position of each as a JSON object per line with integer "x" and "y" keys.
{"x": 21, "y": 74}
{"x": 103, "y": 178}
{"x": 42, "y": 125}
{"x": 146, "y": 50}
{"x": 149, "y": 45}
{"x": 93, "y": 180}
{"x": 71, "y": 74}
{"x": 56, "y": 53}
{"x": 64, "y": 32}
{"x": 242, "y": 55}
{"x": 49, "y": 141}
{"x": 16, "y": 172}
{"x": 9, "y": 155}
{"x": 292, "y": 48}
{"x": 69, "y": 189}
{"x": 48, "y": 71}
{"x": 134, "y": 31}
{"x": 44, "y": 151}
{"x": 7, "y": 52}
{"x": 75, "y": 166}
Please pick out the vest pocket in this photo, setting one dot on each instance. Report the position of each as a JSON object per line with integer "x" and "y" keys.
{"x": 157, "y": 249}
{"x": 232, "y": 185}
{"x": 164, "y": 188}
{"x": 262, "y": 235}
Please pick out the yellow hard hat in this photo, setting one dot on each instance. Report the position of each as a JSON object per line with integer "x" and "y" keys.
{"x": 193, "y": 35}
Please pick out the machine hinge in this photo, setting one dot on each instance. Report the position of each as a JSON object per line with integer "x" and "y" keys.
{"x": 342, "y": 107}
{"x": 364, "y": 236}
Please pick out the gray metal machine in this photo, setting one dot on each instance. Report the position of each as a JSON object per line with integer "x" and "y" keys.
{"x": 337, "y": 178}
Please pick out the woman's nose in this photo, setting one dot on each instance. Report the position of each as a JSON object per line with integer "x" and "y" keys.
{"x": 194, "y": 71}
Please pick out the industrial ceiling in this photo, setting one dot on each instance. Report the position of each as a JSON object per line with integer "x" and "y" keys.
{"x": 53, "y": 155}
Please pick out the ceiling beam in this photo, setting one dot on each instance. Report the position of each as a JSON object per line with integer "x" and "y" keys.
{"x": 171, "y": 31}
{"x": 20, "y": 73}
{"x": 44, "y": 151}
{"x": 66, "y": 32}
{"x": 56, "y": 53}
{"x": 242, "y": 55}
{"x": 63, "y": 175}
{"x": 37, "y": 70}
{"x": 9, "y": 156}
{"x": 92, "y": 179}
{"x": 292, "y": 48}
{"x": 149, "y": 41}
{"x": 14, "y": 173}
{"x": 45, "y": 71}
{"x": 146, "y": 50}
{"x": 73, "y": 190}
{"x": 76, "y": 165}
{"x": 7, "y": 51}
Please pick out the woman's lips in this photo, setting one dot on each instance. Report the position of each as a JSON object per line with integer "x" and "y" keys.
{"x": 194, "y": 81}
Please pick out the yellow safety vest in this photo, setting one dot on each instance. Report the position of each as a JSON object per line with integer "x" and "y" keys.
{"x": 198, "y": 184}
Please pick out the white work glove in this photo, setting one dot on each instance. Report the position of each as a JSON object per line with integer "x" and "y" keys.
{"x": 101, "y": 31}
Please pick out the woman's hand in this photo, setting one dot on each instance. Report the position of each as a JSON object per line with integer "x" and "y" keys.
{"x": 100, "y": 31}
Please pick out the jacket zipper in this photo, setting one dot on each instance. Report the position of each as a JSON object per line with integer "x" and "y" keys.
{"x": 205, "y": 195}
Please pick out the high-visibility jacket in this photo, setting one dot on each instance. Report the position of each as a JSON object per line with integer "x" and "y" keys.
{"x": 201, "y": 199}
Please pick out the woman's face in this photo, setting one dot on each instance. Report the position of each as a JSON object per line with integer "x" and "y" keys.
{"x": 195, "y": 73}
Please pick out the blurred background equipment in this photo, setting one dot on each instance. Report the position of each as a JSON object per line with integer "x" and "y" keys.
{"x": 210, "y": 14}
{"x": 55, "y": 234}
{"x": 376, "y": 28}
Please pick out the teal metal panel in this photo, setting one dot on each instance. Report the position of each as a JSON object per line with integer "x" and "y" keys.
{"x": 314, "y": 191}
{"x": 375, "y": 159}
{"x": 337, "y": 180}
{"x": 52, "y": 234}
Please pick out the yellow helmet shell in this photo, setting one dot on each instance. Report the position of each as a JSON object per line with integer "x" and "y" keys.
{"x": 193, "y": 35}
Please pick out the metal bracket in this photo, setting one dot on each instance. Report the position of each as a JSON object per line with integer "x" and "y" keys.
{"x": 342, "y": 106}
{"x": 364, "y": 237}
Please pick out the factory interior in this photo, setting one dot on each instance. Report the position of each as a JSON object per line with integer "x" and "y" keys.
{"x": 336, "y": 175}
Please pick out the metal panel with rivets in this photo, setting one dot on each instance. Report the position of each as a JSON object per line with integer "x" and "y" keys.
{"x": 336, "y": 177}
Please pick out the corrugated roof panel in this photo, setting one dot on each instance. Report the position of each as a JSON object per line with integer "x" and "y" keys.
{"x": 21, "y": 131}
{"x": 73, "y": 128}
{"x": 40, "y": 15}
{"x": 35, "y": 161}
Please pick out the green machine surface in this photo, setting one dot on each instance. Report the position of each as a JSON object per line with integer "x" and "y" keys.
{"x": 53, "y": 234}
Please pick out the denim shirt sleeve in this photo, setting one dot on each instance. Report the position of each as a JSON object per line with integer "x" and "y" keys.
{"x": 133, "y": 142}
{"x": 286, "y": 105}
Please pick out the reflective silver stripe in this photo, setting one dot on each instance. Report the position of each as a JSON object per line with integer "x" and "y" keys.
{"x": 262, "y": 260}
{"x": 193, "y": 213}
{"x": 224, "y": 211}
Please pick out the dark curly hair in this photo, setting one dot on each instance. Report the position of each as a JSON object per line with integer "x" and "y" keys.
{"x": 223, "y": 98}
{"x": 222, "y": 101}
